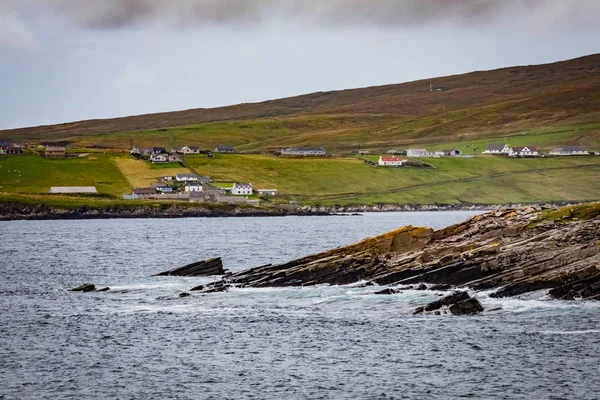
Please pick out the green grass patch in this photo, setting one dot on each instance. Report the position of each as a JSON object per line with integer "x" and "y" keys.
{"x": 34, "y": 174}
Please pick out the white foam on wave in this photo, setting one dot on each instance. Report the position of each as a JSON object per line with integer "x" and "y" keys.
{"x": 581, "y": 332}
{"x": 539, "y": 300}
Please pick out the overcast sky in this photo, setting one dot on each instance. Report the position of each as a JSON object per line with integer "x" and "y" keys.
{"x": 67, "y": 60}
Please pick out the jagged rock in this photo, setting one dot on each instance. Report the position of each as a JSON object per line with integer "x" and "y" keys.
{"x": 104, "y": 289}
{"x": 513, "y": 251}
{"x": 444, "y": 301}
{"x": 220, "y": 287}
{"x": 184, "y": 294}
{"x": 86, "y": 287}
{"x": 441, "y": 286}
{"x": 387, "y": 291}
{"x": 213, "y": 266}
{"x": 466, "y": 307}
{"x": 421, "y": 286}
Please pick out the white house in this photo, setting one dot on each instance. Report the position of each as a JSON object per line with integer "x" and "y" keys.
{"x": 187, "y": 178}
{"x": 496, "y": 149}
{"x": 173, "y": 158}
{"x": 303, "y": 151}
{"x": 241, "y": 189}
{"x": 190, "y": 150}
{"x": 417, "y": 153}
{"x": 523, "y": 151}
{"x": 158, "y": 158}
{"x": 193, "y": 187}
{"x": 569, "y": 151}
{"x": 390, "y": 161}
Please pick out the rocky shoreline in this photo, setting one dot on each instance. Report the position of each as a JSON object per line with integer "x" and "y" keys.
{"x": 20, "y": 211}
{"x": 510, "y": 252}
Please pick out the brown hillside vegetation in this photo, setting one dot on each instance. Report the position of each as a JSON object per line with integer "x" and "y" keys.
{"x": 472, "y": 105}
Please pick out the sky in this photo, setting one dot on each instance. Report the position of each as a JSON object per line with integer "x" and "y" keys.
{"x": 69, "y": 60}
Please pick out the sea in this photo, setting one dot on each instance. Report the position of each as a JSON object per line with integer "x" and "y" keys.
{"x": 140, "y": 340}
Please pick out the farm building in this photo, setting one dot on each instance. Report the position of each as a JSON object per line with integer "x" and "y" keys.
{"x": 54, "y": 152}
{"x": 303, "y": 151}
{"x": 224, "y": 148}
{"x": 569, "y": 151}
{"x": 73, "y": 189}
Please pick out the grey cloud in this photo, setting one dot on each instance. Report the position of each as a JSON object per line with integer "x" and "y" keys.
{"x": 110, "y": 14}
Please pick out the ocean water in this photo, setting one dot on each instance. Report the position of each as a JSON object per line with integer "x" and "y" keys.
{"x": 141, "y": 341}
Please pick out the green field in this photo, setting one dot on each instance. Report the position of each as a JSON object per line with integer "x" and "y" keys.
{"x": 325, "y": 181}
{"x": 34, "y": 174}
{"x": 483, "y": 179}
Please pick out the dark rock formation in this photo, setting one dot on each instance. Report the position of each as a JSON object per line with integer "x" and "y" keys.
{"x": 86, "y": 287}
{"x": 458, "y": 303}
{"x": 387, "y": 291}
{"x": 514, "y": 251}
{"x": 89, "y": 287}
{"x": 213, "y": 266}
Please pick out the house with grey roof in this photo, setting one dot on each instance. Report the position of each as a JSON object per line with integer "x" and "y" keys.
{"x": 303, "y": 151}
{"x": 239, "y": 189}
{"x": 523, "y": 151}
{"x": 189, "y": 150}
{"x": 417, "y": 153}
{"x": 224, "y": 148}
{"x": 497, "y": 149}
{"x": 187, "y": 178}
{"x": 569, "y": 151}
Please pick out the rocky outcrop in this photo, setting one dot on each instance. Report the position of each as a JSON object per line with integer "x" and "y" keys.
{"x": 213, "y": 266}
{"x": 458, "y": 303}
{"x": 22, "y": 211}
{"x": 89, "y": 287}
{"x": 512, "y": 251}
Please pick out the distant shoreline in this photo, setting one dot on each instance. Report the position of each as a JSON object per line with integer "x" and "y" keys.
{"x": 12, "y": 211}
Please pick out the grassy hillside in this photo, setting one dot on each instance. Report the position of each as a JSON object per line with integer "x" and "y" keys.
{"x": 326, "y": 181}
{"x": 477, "y": 106}
{"x": 547, "y": 106}
{"x": 482, "y": 179}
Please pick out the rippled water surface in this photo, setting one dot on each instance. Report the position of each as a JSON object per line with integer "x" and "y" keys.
{"x": 140, "y": 340}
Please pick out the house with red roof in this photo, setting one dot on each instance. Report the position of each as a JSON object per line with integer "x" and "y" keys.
{"x": 390, "y": 161}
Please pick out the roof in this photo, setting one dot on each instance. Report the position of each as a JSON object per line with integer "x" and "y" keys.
{"x": 194, "y": 147}
{"x": 312, "y": 149}
{"x": 418, "y": 150}
{"x": 187, "y": 176}
{"x": 156, "y": 185}
{"x": 495, "y": 147}
{"x": 55, "y": 148}
{"x": 193, "y": 184}
{"x": 520, "y": 148}
{"x": 570, "y": 148}
{"x": 73, "y": 189}
{"x": 143, "y": 190}
{"x": 224, "y": 147}
{"x": 390, "y": 158}
{"x": 242, "y": 186}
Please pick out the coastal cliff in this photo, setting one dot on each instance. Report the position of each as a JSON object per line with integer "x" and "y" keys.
{"x": 511, "y": 252}
{"x": 19, "y": 211}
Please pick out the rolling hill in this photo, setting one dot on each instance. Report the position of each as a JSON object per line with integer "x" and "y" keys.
{"x": 539, "y": 99}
